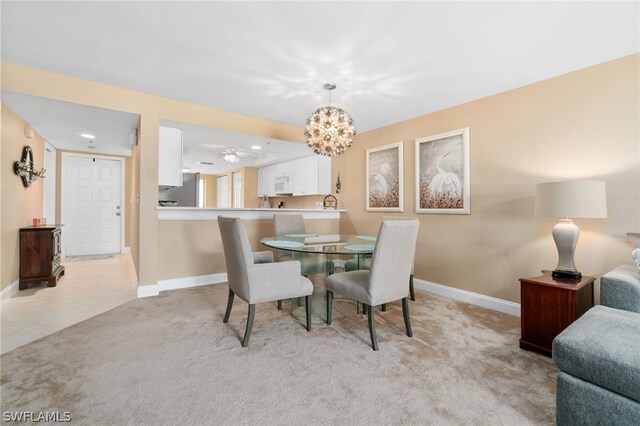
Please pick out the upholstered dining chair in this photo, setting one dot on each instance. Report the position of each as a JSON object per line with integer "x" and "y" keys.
{"x": 352, "y": 265}
{"x": 258, "y": 282}
{"x": 386, "y": 280}
{"x": 293, "y": 224}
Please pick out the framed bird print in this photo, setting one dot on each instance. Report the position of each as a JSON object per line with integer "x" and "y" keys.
{"x": 384, "y": 178}
{"x": 442, "y": 173}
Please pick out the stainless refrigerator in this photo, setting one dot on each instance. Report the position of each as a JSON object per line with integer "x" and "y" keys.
{"x": 186, "y": 195}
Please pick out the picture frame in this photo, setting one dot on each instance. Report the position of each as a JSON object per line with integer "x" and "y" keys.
{"x": 442, "y": 173}
{"x": 384, "y": 178}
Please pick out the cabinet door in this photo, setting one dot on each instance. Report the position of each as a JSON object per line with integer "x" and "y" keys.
{"x": 267, "y": 181}
{"x": 170, "y": 156}
{"x": 324, "y": 175}
{"x": 283, "y": 169}
{"x": 304, "y": 176}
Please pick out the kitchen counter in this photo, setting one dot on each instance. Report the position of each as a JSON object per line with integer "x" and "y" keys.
{"x": 197, "y": 213}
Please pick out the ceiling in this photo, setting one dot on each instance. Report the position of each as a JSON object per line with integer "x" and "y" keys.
{"x": 63, "y": 123}
{"x": 391, "y": 61}
{"x": 204, "y": 144}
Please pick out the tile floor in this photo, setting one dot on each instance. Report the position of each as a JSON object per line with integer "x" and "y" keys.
{"x": 87, "y": 289}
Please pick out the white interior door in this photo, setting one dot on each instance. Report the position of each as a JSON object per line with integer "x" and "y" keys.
{"x": 237, "y": 190}
{"x": 221, "y": 192}
{"x": 93, "y": 209}
{"x": 49, "y": 207}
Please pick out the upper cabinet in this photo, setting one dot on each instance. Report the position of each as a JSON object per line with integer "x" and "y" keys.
{"x": 309, "y": 176}
{"x": 267, "y": 181}
{"x": 170, "y": 156}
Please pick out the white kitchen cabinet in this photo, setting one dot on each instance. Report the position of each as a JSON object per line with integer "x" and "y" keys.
{"x": 170, "y": 156}
{"x": 267, "y": 181}
{"x": 283, "y": 169}
{"x": 311, "y": 175}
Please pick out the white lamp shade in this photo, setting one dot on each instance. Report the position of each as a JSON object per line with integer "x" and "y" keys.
{"x": 575, "y": 199}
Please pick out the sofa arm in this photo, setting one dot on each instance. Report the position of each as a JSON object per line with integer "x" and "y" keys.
{"x": 620, "y": 288}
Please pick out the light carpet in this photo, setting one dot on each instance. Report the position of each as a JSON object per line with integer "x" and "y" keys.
{"x": 170, "y": 360}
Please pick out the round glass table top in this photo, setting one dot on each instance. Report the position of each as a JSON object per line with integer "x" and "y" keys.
{"x": 322, "y": 244}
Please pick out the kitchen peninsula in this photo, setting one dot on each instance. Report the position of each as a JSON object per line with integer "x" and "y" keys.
{"x": 190, "y": 248}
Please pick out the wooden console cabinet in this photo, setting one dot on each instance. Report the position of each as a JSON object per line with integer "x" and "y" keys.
{"x": 549, "y": 305}
{"x": 40, "y": 248}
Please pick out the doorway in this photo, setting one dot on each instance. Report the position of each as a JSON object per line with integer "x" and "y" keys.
{"x": 92, "y": 208}
{"x": 49, "y": 207}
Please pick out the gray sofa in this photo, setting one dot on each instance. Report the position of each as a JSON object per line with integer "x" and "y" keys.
{"x": 599, "y": 357}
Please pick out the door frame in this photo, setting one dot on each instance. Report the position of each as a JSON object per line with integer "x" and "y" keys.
{"x": 49, "y": 189}
{"x": 63, "y": 183}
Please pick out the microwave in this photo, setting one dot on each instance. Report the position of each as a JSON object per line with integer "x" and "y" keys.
{"x": 283, "y": 185}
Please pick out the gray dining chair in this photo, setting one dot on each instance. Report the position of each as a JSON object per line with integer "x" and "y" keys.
{"x": 291, "y": 224}
{"x": 258, "y": 282}
{"x": 352, "y": 265}
{"x": 386, "y": 280}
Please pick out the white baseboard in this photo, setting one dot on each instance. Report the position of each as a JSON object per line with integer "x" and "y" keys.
{"x": 10, "y": 291}
{"x": 187, "y": 282}
{"x": 148, "y": 290}
{"x": 477, "y": 299}
{"x": 178, "y": 283}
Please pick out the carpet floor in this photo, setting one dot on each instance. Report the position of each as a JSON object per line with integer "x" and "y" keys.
{"x": 170, "y": 360}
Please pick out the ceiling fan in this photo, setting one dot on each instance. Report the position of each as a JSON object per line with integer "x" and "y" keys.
{"x": 228, "y": 154}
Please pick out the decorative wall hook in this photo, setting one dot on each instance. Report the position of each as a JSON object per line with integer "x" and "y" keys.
{"x": 338, "y": 184}
{"x": 24, "y": 168}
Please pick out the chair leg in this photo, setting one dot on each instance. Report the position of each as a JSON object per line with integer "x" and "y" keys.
{"x": 247, "y": 332}
{"x": 307, "y": 303}
{"x": 280, "y": 304}
{"x": 405, "y": 313}
{"x": 372, "y": 327}
{"x": 384, "y": 307}
{"x": 329, "y": 306}
{"x": 229, "y": 305}
{"x": 411, "y": 292}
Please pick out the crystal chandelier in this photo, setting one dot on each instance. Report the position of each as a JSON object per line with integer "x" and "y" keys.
{"x": 329, "y": 130}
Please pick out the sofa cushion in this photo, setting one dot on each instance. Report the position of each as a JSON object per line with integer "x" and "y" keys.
{"x": 603, "y": 347}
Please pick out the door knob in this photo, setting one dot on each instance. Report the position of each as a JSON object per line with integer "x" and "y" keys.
{"x": 118, "y": 214}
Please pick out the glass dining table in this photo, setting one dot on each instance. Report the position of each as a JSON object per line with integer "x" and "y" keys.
{"x": 321, "y": 255}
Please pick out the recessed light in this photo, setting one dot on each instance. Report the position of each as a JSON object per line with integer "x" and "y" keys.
{"x": 256, "y": 147}
{"x": 87, "y": 136}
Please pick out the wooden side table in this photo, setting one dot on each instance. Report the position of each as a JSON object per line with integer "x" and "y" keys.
{"x": 548, "y": 305}
{"x": 40, "y": 250}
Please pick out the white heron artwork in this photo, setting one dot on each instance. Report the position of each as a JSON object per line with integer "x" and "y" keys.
{"x": 384, "y": 177}
{"x": 444, "y": 182}
{"x": 442, "y": 173}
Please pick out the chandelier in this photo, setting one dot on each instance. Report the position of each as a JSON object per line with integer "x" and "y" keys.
{"x": 329, "y": 130}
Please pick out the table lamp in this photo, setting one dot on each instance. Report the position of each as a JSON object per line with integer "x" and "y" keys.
{"x": 575, "y": 199}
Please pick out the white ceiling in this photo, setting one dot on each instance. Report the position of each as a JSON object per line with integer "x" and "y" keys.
{"x": 62, "y": 123}
{"x": 206, "y": 144}
{"x": 391, "y": 60}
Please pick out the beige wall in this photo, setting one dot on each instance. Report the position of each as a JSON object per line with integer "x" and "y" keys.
{"x": 193, "y": 247}
{"x": 581, "y": 125}
{"x": 19, "y": 204}
{"x": 152, "y": 109}
{"x": 133, "y": 206}
{"x": 210, "y": 190}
